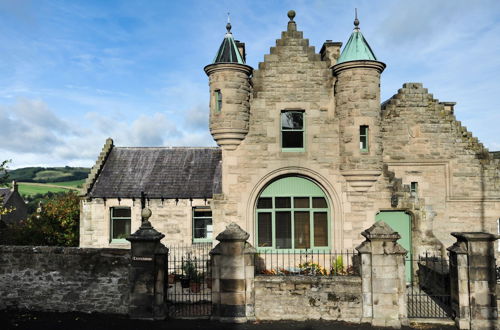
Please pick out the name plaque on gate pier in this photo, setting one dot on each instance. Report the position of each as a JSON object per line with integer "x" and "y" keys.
{"x": 142, "y": 258}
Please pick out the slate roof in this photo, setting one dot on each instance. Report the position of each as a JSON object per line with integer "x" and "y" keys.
{"x": 160, "y": 172}
{"x": 5, "y": 194}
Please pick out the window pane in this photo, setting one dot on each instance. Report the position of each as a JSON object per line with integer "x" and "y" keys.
{"x": 292, "y": 120}
{"x": 292, "y": 139}
{"x": 319, "y": 202}
{"x": 265, "y": 203}
{"x": 283, "y": 203}
{"x": 121, "y": 212}
{"x": 320, "y": 229}
{"x": 283, "y": 230}
{"x": 121, "y": 228}
{"x": 202, "y": 213}
{"x": 302, "y": 230}
{"x": 201, "y": 227}
{"x": 301, "y": 202}
{"x": 265, "y": 229}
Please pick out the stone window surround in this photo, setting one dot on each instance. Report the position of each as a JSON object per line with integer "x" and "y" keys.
{"x": 292, "y": 209}
{"x": 303, "y": 130}
{"x": 113, "y": 218}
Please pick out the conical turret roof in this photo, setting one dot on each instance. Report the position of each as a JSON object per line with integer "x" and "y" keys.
{"x": 357, "y": 48}
{"x": 228, "y": 51}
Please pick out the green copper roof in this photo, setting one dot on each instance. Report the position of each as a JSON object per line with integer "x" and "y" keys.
{"x": 357, "y": 48}
{"x": 228, "y": 51}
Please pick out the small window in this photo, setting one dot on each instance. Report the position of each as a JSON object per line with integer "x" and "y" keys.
{"x": 498, "y": 232}
{"x": 202, "y": 225}
{"x": 292, "y": 130}
{"x": 414, "y": 189}
{"x": 120, "y": 223}
{"x": 363, "y": 138}
{"x": 218, "y": 100}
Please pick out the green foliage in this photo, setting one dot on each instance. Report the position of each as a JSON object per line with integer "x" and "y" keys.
{"x": 191, "y": 271}
{"x": 56, "y": 224}
{"x": 49, "y": 174}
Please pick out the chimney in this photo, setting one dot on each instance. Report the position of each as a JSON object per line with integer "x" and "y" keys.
{"x": 330, "y": 51}
{"x": 14, "y": 185}
{"x": 241, "y": 48}
{"x": 449, "y": 106}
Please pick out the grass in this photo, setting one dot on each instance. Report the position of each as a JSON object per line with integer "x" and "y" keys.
{"x": 74, "y": 183}
{"x": 26, "y": 189}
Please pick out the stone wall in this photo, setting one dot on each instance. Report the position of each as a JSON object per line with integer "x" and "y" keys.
{"x": 64, "y": 279}
{"x": 308, "y": 297}
{"x": 457, "y": 177}
{"x": 172, "y": 217}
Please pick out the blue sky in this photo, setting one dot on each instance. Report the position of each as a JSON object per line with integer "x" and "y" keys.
{"x": 73, "y": 73}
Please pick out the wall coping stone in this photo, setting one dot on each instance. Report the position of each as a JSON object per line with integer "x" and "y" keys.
{"x": 63, "y": 250}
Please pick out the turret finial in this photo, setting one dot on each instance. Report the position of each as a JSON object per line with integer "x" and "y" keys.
{"x": 356, "y": 20}
{"x": 291, "y": 15}
{"x": 228, "y": 25}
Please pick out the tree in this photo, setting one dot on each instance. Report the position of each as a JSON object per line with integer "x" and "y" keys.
{"x": 4, "y": 176}
{"x": 57, "y": 223}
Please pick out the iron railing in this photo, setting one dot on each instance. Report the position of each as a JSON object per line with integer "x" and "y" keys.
{"x": 189, "y": 281}
{"x": 429, "y": 290}
{"x": 307, "y": 262}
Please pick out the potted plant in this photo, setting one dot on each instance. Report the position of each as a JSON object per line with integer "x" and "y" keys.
{"x": 195, "y": 283}
{"x": 192, "y": 277}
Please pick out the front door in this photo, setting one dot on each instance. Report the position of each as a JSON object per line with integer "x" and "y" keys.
{"x": 401, "y": 222}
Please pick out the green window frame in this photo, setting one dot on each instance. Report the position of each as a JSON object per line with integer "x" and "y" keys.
{"x": 292, "y": 214}
{"x": 120, "y": 222}
{"x": 218, "y": 100}
{"x": 363, "y": 138}
{"x": 292, "y": 123}
{"x": 202, "y": 224}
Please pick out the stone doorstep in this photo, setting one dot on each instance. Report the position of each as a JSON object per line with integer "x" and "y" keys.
{"x": 422, "y": 321}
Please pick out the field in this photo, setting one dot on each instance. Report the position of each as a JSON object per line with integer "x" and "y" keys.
{"x": 31, "y": 188}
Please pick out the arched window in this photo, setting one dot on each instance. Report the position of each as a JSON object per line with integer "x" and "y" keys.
{"x": 292, "y": 213}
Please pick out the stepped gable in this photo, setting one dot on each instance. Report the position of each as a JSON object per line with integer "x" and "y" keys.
{"x": 183, "y": 173}
{"x": 290, "y": 65}
{"x": 418, "y": 116}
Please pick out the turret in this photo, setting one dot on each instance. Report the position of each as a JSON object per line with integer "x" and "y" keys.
{"x": 230, "y": 90}
{"x": 357, "y": 103}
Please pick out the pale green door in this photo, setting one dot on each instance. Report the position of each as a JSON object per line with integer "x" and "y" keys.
{"x": 400, "y": 222}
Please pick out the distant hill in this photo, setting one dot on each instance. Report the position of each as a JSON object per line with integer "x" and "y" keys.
{"x": 48, "y": 174}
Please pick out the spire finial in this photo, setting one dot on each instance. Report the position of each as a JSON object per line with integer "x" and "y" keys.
{"x": 228, "y": 25}
{"x": 356, "y": 20}
{"x": 291, "y": 15}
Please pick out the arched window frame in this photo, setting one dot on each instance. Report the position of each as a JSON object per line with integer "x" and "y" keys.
{"x": 317, "y": 193}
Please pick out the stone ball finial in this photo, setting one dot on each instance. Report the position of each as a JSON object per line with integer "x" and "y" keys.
{"x": 291, "y": 15}
{"x": 146, "y": 213}
{"x": 228, "y": 27}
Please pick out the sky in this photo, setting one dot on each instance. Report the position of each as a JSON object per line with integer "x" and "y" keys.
{"x": 73, "y": 73}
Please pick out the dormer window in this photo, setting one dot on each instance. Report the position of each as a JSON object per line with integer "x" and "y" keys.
{"x": 292, "y": 130}
{"x": 218, "y": 100}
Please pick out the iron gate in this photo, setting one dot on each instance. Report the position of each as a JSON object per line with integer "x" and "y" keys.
{"x": 428, "y": 291}
{"x": 189, "y": 293}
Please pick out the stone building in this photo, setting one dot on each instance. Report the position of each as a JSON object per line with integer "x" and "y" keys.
{"x": 12, "y": 200}
{"x": 308, "y": 158}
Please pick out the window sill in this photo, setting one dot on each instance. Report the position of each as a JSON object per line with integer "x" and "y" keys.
{"x": 202, "y": 240}
{"x": 293, "y": 150}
